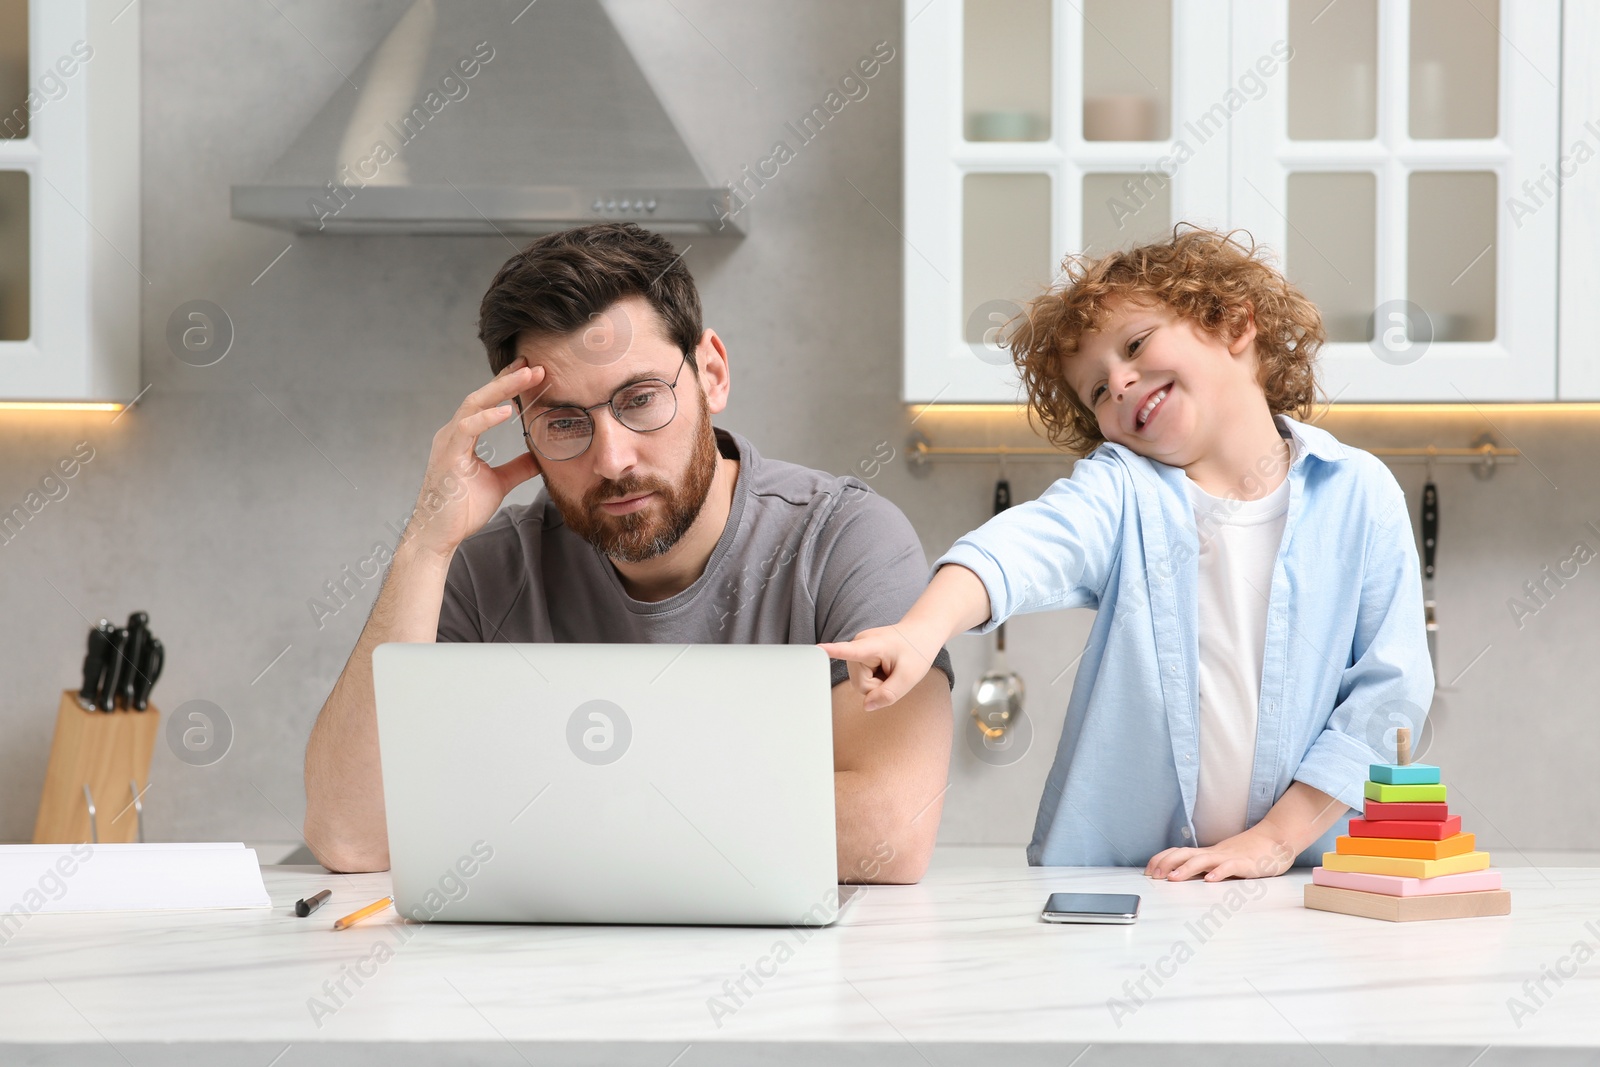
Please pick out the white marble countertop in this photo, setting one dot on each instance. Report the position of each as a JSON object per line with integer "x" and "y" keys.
{"x": 939, "y": 973}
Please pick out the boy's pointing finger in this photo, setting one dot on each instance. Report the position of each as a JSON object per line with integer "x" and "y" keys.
{"x": 853, "y": 651}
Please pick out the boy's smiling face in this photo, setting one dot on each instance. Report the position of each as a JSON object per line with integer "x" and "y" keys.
{"x": 1160, "y": 385}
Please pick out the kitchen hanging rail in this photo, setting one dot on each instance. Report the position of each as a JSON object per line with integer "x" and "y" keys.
{"x": 1485, "y": 454}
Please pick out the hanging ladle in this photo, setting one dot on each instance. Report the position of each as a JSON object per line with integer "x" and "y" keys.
{"x": 997, "y": 696}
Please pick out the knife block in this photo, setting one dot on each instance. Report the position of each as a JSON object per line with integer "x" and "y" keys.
{"x": 105, "y": 751}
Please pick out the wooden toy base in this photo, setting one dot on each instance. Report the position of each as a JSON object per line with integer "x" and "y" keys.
{"x": 1409, "y": 909}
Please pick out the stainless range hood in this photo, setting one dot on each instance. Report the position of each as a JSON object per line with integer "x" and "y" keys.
{"x": 470, "y": 118}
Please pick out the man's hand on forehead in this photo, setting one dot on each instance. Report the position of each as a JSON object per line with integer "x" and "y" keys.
{"x": 542, "y": 383}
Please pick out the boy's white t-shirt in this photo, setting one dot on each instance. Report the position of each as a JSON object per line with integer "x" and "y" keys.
{"x": 1239, "y": 542}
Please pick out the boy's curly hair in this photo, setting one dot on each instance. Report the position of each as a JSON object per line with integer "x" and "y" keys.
{"x": 1204, "y": 276}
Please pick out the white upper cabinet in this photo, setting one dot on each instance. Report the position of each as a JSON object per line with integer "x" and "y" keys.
{"x": 70, "y": 280}
{"x": 1397, "y": 157}
{"x": 1385, "y": 167}
{"x": 1575, "y": 179}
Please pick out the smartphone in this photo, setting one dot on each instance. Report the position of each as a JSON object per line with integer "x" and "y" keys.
{"x": 1091, "y": 908}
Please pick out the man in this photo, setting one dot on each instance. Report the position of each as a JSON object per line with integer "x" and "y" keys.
{"x": 652, "y": 526}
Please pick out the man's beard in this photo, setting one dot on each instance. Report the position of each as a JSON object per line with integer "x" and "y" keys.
{"x": 641, "y": 535}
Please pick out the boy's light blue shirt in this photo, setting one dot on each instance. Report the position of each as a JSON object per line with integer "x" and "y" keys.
{"x": 1345, "y": 658}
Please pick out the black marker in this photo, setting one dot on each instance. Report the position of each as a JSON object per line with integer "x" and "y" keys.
{"x": 310, "y": 904}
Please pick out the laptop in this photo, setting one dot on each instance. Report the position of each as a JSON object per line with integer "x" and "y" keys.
{"x": 614, "y": 783}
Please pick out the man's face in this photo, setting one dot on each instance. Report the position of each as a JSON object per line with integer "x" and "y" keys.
{"x": 1156, "y": 382}
{"x": 632, "y": 495}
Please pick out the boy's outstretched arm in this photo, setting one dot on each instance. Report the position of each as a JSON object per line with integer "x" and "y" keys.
{"x": 886, "y": 661}
{"x": 1267, "y": 849}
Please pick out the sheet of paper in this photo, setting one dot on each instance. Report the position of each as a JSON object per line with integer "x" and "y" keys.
{"x": 122, "y": 846}
{"x": 175, "y": 876}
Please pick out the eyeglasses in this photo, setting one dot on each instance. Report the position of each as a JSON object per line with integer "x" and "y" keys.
{"x": 565, "y": 433}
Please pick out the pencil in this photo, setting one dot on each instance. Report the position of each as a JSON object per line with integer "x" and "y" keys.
{"x": 356, "y": 916}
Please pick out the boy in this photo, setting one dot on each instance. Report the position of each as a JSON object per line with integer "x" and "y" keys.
{"x": 1259, "y": 603}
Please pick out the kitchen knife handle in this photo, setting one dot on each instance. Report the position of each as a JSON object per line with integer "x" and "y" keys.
{"x": 1002, "y": 501}
{"x": 111, "y": 684}
{"x": 1430, "y": 527}
{"x": 95, "y": 661}
{"x": 155, "y": 657}
{"x": 133, "y": 654}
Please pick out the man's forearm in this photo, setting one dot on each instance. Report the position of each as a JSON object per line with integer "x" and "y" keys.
{"x": 891, "y": 769}
{"x": 344, "y": 825}
{"x": 883, "y": 839}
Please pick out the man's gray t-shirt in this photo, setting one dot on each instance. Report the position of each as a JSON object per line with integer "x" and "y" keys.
{"x": 806, "y": 556}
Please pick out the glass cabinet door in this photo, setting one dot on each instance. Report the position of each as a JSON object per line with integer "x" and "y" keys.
{"x": 15, "y": 276}
{"x": 15, "y": 284}
{"x": 1396, "y": 157}
{"x": 1006, "y": 251}
{"x": 1007, "y": 65}
{"x": 70, "y": 288}
{"x": 1038, "y": 129}
{"x": 1385, "y": 171}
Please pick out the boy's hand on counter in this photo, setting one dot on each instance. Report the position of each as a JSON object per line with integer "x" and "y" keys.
{"x": 1252, "y": 854}
{"x": 886, "y": 661}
